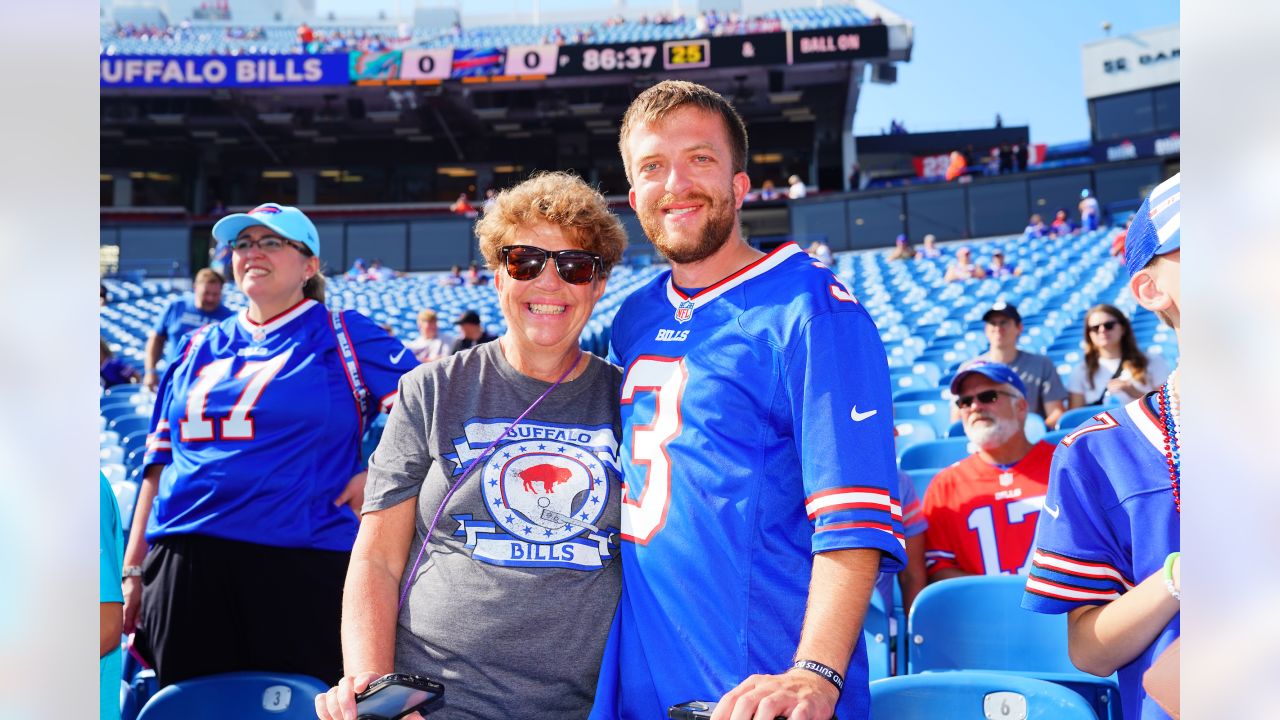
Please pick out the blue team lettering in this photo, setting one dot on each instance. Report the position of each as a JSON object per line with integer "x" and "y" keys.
{"x": 544, "y": 433}
{"x": 665, "y": 335}
{"x": 562, "y": 552}
{"x": 162, "y": 71}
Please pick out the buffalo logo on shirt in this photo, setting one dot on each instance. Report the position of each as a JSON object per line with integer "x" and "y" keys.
{"x": 544, "y": 499}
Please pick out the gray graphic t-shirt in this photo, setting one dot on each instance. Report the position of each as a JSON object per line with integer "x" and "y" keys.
{"x": 512, "y": 603}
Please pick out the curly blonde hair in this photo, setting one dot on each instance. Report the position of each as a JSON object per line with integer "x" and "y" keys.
{"x": 558, "y": 198}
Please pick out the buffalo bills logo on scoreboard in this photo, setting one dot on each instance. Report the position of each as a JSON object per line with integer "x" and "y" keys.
{"x": 684, "y": 311}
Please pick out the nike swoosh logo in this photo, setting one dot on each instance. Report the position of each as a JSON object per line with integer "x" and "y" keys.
{"x": 860, "y": 416}
{"x": 396, "y": 358}
{"x": 1053, "y": 511}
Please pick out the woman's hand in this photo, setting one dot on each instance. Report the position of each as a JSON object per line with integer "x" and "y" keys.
{"x": 1122, "y": 387}
{"x": 353, "y": 494}
{"x": 131, "y": 587}
{"x": 340, "y": 702}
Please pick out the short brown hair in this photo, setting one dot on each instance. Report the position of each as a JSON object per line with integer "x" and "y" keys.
{"x": 560, "y": 199}
{"x": 657, "y": 102}
{"x": 427, "y": 315}
{"x": 209, "y": 275}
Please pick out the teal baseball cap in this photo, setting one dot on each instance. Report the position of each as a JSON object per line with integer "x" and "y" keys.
{"x": 288, "y": 222}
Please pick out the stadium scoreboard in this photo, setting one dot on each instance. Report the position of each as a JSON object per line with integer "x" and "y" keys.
{"x": 434, "y": 65}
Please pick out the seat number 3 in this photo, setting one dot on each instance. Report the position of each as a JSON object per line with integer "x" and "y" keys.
{"x": 644, "y": 516}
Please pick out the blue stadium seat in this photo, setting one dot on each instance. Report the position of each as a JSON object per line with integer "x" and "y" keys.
{"x": 974, "y": 694}
{"x": 921, "y": 478}
{"x": 911, "y": 432}
{"x": 1073, "y": 419}
{"x": 922, "y": 393}
{"x": 875, "y": 634}
{"x": 242, "y": 695}
{"x": 128, "y": 424}
{"x": 1055, "y": 436}
{"x": 935, "y": 412}
{"x": 935, "y": 453}
{"x": 977, "y": 623}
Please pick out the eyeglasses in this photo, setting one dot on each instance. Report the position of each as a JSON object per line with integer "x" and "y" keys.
{"x": 986, "y": 397}
{"x": 1108, "y": 325}
{"x": 525, "y": 262}
{"x": 266, "y": 243}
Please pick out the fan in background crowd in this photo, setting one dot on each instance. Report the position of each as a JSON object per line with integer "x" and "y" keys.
{"x": 1114, "y": 369}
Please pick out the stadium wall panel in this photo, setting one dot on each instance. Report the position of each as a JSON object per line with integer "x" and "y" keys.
{"x": 440, "y": 243}
{"x": 998, "y": 208}
{"x": 333, "y": 257}
{"x": 637, "y": 242}
{"x": 1048, "y": 194}
{"x": 941, "y": 212}
{"x": 385, "y": 241}
{"x": 1121, "y": 183}
{"x": 874, "y": 221}
{"x": 156, "y": 249}
{"x": 821, "y": 218}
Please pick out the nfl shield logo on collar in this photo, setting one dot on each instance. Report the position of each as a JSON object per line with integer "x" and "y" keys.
{"x": 684, "y": 311}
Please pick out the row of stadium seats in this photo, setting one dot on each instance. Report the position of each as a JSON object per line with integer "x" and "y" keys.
{"x": 203, "y": 38}
{"x": 966, "y": 639}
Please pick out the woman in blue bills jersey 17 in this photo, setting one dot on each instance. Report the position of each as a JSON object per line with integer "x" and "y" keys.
{"x": 247, "y": 511}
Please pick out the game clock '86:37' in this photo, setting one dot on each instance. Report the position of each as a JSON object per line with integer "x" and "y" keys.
{"x": 636, "y": 57}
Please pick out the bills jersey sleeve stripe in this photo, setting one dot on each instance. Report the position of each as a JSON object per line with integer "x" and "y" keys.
{"x": 849, "y": 499}
{"x": 1079, "y": 568}
{"x": 1058, "y": 591}
{"x": 864, "y": 525}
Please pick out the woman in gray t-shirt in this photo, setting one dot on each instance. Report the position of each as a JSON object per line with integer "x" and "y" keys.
{"x": 510, "y": 603}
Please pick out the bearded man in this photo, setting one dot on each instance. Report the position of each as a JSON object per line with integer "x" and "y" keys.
{"x": 982, "y": 511}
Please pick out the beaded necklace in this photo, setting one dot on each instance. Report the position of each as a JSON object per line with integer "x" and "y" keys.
{"x": 1171, "y": 428}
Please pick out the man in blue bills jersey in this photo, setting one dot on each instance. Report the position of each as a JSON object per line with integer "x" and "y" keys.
{"x": 760, "y": 497}
{"x": 1107, "y": 543}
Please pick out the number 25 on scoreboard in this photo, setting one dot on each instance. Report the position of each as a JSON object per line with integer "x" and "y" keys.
{"x": 644, "y": 516}
{"x": 685, "y": 54}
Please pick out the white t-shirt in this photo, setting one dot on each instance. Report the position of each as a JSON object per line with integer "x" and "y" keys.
{"x": 797, "y": 191}
{"x": 1157, "y": 373}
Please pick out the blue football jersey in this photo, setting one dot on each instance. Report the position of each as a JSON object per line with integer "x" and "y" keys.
{"x": 259, "y": 429}
{"x": 182, "y": 316}
{"x": 1108, "y": 523}
{"x": 757, "y": 431}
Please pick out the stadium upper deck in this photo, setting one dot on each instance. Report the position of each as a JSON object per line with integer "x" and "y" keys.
{"x": 230, "y": 38}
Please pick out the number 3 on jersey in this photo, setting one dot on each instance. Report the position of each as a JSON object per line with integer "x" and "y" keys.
{"x": 644, "y": 516}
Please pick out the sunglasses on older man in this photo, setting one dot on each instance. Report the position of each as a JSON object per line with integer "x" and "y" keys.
{"x": 986, "y": 397}
{"x": 525, "y": 262}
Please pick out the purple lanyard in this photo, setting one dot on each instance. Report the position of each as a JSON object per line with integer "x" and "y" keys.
{"x": 404, "y": 594}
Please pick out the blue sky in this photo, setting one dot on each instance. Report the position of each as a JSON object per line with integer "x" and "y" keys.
{"x": 972, "y": 58}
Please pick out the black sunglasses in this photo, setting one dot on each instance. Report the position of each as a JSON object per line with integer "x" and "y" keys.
{"x": 986, "y": 397}
{"x": 525, "y": 262}
{"x": 1103, "y": 326}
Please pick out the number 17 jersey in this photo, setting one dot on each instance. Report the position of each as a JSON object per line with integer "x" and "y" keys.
{"x": 757, "y": 431}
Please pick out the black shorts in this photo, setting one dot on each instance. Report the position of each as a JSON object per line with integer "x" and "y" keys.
{"x": 212, "y": 606}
